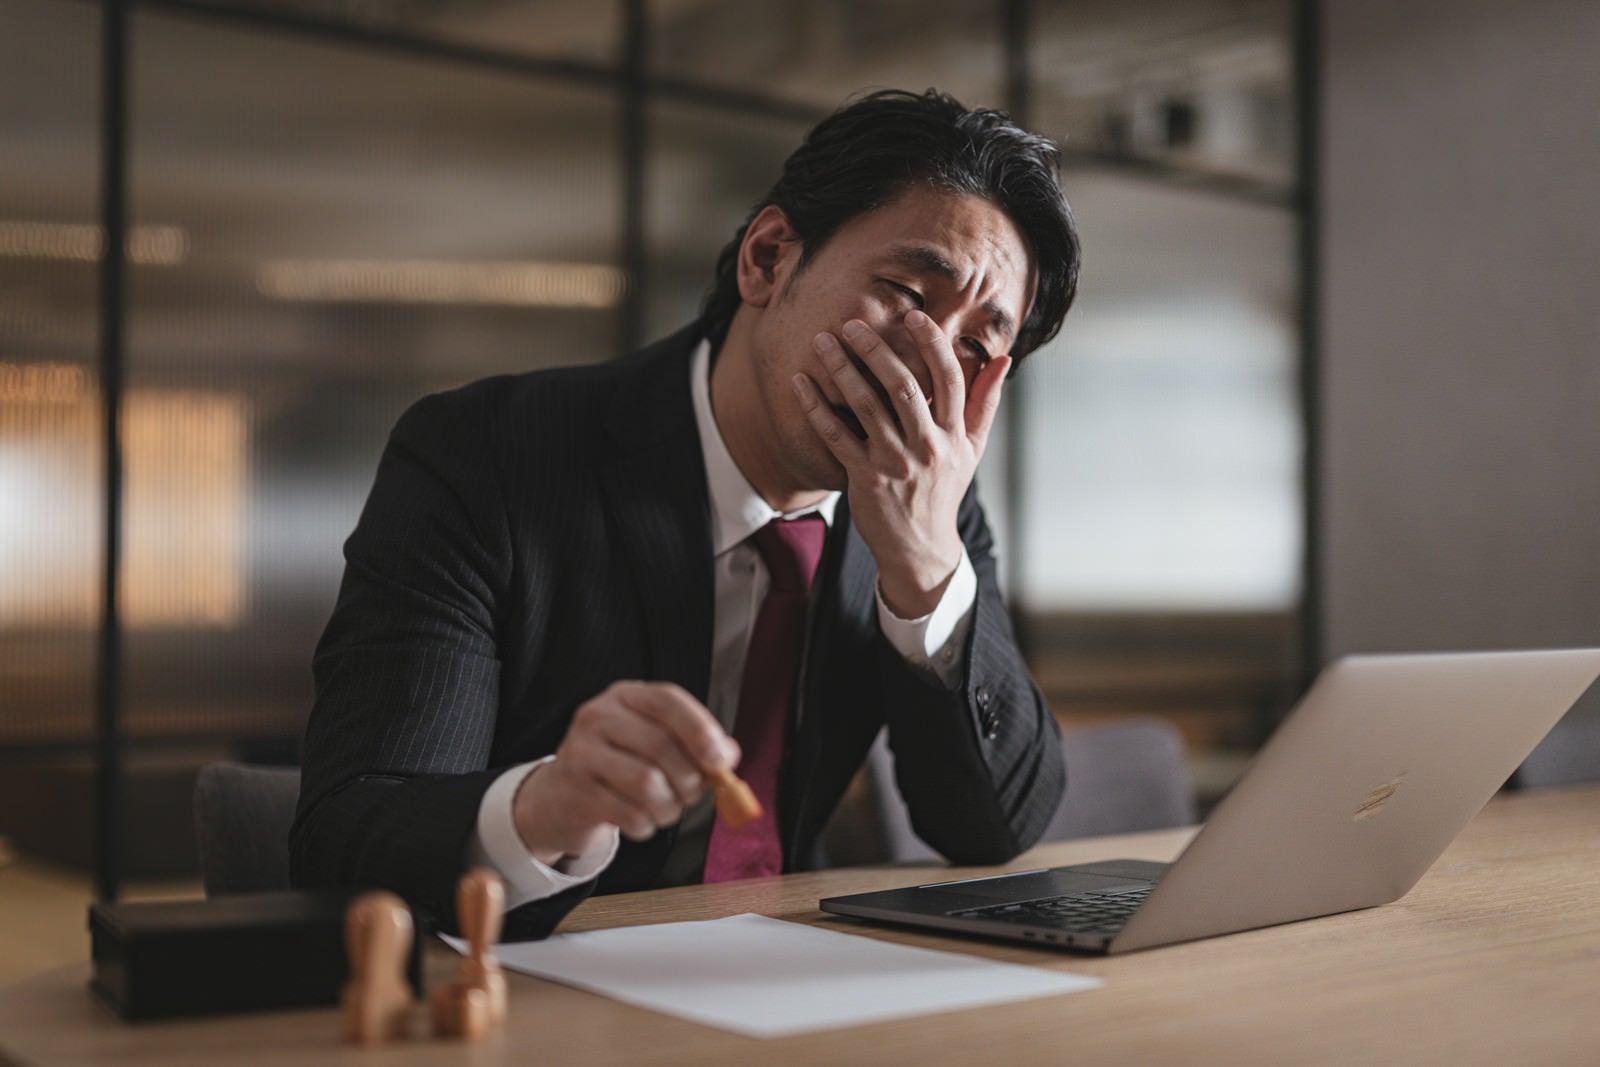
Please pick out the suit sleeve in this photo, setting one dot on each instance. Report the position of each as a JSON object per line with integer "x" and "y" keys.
{"x": 396, "y": 751}
{"x": 979, "y": 767}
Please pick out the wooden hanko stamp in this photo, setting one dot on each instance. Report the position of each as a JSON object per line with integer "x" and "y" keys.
{"x": 476, "y": 1000}
{"x": 377, "y": 1002}
{"x": 735, "y": 801}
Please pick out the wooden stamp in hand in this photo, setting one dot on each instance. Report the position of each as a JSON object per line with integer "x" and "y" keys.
{"x": 736, "y": 804}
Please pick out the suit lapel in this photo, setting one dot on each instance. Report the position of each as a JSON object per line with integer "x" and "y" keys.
{"x": 655, "y": 489}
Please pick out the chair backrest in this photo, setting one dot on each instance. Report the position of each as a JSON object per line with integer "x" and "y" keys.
{"x": 242, "y": 816}
{"x": 1570, "y": 752}
{"x": 1120, "y": 778}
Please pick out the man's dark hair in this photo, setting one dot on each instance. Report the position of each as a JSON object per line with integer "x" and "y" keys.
{"x": 868, "y": 153}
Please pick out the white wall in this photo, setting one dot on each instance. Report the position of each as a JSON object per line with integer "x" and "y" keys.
{"x": 1460, "y": 473}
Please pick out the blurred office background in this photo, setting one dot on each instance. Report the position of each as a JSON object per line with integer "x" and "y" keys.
{"x": 1329, "y": 384}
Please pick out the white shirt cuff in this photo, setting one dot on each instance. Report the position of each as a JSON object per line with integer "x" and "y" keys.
{"x": 934, "y": 642}
{"x": 498, "y": 846}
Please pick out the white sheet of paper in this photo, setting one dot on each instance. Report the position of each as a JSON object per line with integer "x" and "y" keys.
{"x": 767, "y": 978}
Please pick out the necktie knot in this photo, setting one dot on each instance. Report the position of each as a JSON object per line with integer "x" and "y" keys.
{"x": 791, "y": 549}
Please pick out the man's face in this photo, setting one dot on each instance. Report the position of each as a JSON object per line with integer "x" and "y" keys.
{"x": 959, "y": 259}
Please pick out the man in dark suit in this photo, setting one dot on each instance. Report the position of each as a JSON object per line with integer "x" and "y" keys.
{"x": 562, "y": 606}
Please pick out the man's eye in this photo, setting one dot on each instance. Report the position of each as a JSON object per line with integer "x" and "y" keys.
{"x": 914, "y": 297}
{"x": 979, "y": 353}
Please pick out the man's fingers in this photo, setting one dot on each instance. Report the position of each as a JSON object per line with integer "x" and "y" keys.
{"x": 636, "y": 756}
{"x": 633, "y": 792}
{"x": 894, "y": 378}
{"x": 692, "y": 727}
{"x": 608, "y": 805}
{"x": 949, "y": 384}
{"x": 647, "y": 740}
{"x": 586, "y": 799}
{"x": 846, "y": 447}
{"x": 861, "y": 395}
{"x": 985, "y": 405}
{"x": 651, "y": 801}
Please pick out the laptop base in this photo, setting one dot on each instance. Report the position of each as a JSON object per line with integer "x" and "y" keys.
{"x": 972, "y": 905}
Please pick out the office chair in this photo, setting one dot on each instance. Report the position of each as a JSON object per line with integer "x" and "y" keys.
{"x": 1570, "y": 753}
{"x": 1120, "y": 778}
{"x": 242, "y": 815}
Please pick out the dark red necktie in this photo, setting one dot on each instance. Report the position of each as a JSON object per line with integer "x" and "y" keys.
{"x": 791, "y": 549}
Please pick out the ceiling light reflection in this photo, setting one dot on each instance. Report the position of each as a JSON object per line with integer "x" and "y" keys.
{"x": 83, "y": 242}
{"x": 419, "y": 281}
{"x": 43, "y": 383}
{"x": 186, "y": 503}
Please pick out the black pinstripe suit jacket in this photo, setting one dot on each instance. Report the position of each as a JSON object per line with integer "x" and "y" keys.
{"x": 528, "y": 541}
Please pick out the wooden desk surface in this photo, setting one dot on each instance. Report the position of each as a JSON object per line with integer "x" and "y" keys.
{"x": 1493, "y": 958}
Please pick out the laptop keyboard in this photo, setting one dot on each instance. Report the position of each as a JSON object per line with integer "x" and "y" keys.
{"x": 1080, "y": 913}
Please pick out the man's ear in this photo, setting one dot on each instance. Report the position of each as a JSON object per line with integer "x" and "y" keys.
{"x": 766, "y": 255}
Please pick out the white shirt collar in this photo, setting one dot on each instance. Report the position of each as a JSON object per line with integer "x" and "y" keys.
{"x": 737, "y": 510}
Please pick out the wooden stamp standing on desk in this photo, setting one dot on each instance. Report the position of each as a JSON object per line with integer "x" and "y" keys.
{"x": 377, "y": 1001}
{"x": 477, "y": 999}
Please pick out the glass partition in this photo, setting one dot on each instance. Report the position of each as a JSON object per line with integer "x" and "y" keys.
{"x": 51, "y": 513}
{"x": 356, "y": 229}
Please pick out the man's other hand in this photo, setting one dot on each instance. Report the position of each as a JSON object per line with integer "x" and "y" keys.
{"x": 632, "y": 760}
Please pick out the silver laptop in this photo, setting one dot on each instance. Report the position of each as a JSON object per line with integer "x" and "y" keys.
{"x": 1358, "y": 792}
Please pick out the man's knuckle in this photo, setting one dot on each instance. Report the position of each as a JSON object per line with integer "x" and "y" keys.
{"x": 892, "y": 469}
{"x": 575, "y": 750}
{"x": 664, "y": 804}
{"x": 630, "y": 784}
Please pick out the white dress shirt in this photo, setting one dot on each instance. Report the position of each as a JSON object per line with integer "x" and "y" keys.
{"x": 932, "y": 643}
